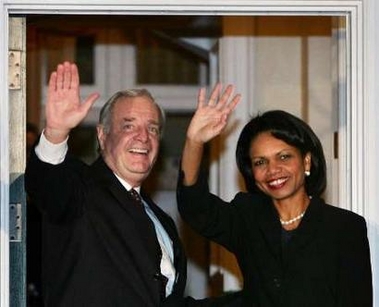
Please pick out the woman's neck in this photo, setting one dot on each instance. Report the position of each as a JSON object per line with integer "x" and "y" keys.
{"x": 291, "y": 210}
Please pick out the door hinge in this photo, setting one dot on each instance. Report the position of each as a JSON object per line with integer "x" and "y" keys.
{"x": 14, "y": 60}
{"x": 15, "y": 222}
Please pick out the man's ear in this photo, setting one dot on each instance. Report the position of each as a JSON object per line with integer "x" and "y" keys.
{"x": 100, "y": 136}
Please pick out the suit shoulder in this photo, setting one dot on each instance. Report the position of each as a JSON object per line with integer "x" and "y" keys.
{"x": 343, "y": 215}
{"x": 250, "y": 200}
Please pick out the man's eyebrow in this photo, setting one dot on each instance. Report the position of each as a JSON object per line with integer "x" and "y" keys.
{"x": 128, "y": 119}
{"x": 154, "y": 122}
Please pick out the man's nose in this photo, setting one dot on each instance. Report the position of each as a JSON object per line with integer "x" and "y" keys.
{"x": 142, "y": 134}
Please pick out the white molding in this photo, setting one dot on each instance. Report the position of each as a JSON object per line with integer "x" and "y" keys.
{"x": 185, "y": 7}
{"x": 371, "y": 133}
{"x": 4, "y": 162}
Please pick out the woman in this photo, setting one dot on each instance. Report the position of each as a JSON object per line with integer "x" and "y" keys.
{"x": 292, "y": 248}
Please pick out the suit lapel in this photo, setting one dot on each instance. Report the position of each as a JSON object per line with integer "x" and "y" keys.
{"x": 143, "y": 224}
{"x": 305, "y": 232}
{"x": 271, "y": 228}
{"x": 135, "y": 238}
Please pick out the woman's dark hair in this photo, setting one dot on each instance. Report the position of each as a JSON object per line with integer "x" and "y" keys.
{"x": 293, "y": 131}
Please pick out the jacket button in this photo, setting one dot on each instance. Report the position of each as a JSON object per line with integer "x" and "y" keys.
{"x": 157, "y": 276}
{"x": 277, "y": 283}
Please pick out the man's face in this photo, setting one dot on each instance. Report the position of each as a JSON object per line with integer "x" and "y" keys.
{"x": 130, "y": 148}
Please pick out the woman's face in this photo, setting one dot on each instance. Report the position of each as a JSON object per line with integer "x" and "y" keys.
{"x": 278, "y": 168}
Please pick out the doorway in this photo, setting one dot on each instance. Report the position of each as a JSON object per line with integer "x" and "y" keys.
{"x": 293, "y": 70}
{"x": 327, "y": 8}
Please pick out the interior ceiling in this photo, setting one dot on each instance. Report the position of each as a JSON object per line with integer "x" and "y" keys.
{"x": 175, "y": 26}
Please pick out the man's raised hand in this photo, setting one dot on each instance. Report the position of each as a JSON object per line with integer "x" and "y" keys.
{"x": 64, "y": 110}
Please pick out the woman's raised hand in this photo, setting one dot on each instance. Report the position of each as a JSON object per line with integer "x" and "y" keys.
{"x": 211, "y": 116}
{"x": 208, "y": 121}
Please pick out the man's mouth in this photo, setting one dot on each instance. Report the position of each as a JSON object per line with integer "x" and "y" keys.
{"x": 141, "y": 151}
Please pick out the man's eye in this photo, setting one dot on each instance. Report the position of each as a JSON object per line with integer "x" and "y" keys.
{"x": 127, "y": 127}
{"x": 154, "y": 130}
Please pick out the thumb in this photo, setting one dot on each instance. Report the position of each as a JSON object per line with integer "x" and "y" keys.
{"x": 89, "y": 101}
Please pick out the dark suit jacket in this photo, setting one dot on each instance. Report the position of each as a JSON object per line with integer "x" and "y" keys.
{"x": 325, "y": 264}
{"x": 94, "y": 253}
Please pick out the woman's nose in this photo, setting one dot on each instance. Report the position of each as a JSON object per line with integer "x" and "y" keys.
{"x": 273, "y": 167}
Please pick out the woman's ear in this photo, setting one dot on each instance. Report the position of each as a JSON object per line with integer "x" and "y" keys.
{"x": 307, "y": 163}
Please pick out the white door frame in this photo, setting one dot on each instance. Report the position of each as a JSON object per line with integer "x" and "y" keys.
{"x": 358, "y": 168}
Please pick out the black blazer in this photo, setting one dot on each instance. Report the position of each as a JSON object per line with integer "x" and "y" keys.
{"x": 94, "y": 253}
{"x": 326, "y": 263}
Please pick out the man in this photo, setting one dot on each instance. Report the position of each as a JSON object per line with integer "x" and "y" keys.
{"x": 101, "y": 246}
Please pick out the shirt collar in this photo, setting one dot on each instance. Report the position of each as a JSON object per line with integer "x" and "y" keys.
{"x": 126, "y": 185}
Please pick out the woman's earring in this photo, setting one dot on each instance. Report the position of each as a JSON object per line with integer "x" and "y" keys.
{"x": 307, "y": 173}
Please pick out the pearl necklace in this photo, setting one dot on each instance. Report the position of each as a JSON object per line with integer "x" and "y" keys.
{"x": 299, "y": 217}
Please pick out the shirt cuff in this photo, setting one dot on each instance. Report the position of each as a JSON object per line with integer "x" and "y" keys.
{"x": 49, "y": 152}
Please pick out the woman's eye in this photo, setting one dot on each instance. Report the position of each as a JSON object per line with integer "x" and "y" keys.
{"x": 259, "y": 162}
{"x": 284, "y": 157}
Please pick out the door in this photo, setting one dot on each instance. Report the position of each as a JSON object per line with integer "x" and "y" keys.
{"x": 232, "y": 73}
{"x": 17, "y": 158}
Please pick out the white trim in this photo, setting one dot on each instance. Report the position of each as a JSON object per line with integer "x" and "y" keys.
{"x": 355, "y": 110}
{"x": 371, "y": 133}
{"x": 4, "y": 163}
{"x": 359, "y": 140}
{"x": 195, "y": 7}
{"x": 343, "y": 40}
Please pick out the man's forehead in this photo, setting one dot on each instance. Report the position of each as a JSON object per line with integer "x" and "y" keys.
{"x": 135, "y": 107}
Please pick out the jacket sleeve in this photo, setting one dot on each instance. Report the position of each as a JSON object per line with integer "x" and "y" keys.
{"x": 56, "y": 189}
{"x": 207, "y": 214}
{"x": 355, "y": 278}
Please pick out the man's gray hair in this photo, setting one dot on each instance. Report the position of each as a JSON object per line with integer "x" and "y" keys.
{"x": 106, "y": 111}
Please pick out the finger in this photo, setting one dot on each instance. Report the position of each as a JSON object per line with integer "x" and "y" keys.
{"x": 221, "y": 124}
{"x": 225, "y": 96}
{"x": 74, "y": 76}
{"x": 232, "y": 105}
{"x": 59, "y": 83}
{"x": 67, "y": 75}
{"x": 88, "y": 102}
{"x": 201, "y": 98}
{"x": 53, "y": 82}
{"x": 214, "y": 95}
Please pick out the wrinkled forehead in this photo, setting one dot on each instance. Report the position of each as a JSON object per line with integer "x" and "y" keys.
{"x": 136, "y": 107}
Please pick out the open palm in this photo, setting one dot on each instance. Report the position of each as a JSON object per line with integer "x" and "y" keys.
{"x": 211, "y": 118}
{"x": 64, "y": 110}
